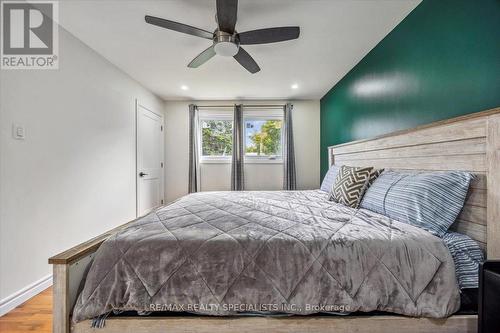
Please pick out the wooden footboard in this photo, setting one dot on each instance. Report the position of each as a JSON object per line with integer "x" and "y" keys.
{"x": 295, "y": 324}
{"x": 68, "y": 271}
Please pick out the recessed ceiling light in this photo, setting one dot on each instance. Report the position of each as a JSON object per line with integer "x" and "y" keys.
{"x": 184, "y": 87}
{"x": 295, "y": 86}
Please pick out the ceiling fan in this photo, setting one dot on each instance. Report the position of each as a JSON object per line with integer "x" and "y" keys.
{"x": 226, "y": 40}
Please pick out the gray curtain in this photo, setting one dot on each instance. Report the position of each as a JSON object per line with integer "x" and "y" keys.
{"x": 237, "y": 164}
{"x": 193, "y": 149}
{"x": 289, "y": 175}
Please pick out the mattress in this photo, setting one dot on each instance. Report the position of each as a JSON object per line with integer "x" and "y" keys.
{"x": 289, "y": 252}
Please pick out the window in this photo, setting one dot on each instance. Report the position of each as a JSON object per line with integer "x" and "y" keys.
{"x": 263, "y": 137}
{"x": 261, "y": 130}
{"x": 216, "y": 138}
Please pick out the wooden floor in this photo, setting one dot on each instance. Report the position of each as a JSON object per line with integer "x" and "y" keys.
{"x": 33, "y": 316}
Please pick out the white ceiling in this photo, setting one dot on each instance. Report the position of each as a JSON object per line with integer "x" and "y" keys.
{"x": 335, "y": 35}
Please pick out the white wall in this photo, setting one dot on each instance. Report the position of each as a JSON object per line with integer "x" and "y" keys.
{"x": 73, "y": 177}
{"x": 257, "y": 176}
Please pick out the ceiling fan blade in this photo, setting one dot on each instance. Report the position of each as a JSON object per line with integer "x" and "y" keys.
{"x": 246, "y": 61}
{"x": 202, "y": 58}
{"x": 270, "y": 35}
{"x": 179, "y": 27}
{"x": 227, "y": 12}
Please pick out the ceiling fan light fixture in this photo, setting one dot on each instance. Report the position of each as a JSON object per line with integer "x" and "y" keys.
{"x": 226, "y": 40}
{"x": 226, "y": 49}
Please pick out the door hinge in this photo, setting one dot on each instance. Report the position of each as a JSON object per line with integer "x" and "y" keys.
{"x": 161, "y": 164}
{"x": 161, "y": 201}
{"x": 161, "y": 128}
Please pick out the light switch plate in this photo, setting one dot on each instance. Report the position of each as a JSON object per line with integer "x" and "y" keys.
{"x": 18, "y": 132}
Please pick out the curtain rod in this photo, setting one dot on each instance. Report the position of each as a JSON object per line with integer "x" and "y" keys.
{"x": 244, "y": 105}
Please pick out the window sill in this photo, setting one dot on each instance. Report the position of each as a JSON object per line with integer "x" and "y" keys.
{"x": 251, "y": 160}
{"x": 215, "y": 161}
{"x": 247, "y": 161}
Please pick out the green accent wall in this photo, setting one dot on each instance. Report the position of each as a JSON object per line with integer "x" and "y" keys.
{"x": 441, "y": 61}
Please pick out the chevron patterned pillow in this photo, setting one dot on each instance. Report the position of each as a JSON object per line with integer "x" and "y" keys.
{"x": 350, "y": 185}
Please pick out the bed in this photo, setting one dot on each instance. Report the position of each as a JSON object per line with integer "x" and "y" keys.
{"x": 468, "y": 143}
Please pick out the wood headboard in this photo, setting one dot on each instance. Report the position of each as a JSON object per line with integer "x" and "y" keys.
{"x": 468, "y": 143}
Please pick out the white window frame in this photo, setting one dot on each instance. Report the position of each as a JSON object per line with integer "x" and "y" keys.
{"x": 263, "y": 115}
{"x": 205, "y": 115}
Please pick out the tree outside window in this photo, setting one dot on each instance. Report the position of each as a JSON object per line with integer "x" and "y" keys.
{"x": 216, "y": 137}
{"x": 263, "y": 137}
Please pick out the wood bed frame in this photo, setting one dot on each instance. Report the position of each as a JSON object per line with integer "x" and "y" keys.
{"x": 470, "y": 143}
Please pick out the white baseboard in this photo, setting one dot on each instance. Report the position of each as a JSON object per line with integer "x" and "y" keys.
{"x": 21, "y": 296}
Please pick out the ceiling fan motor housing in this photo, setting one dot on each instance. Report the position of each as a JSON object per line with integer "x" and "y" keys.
{"x": 225, "y": 44}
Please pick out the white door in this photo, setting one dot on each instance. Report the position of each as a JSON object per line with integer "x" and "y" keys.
{"x": 149, "y": 160}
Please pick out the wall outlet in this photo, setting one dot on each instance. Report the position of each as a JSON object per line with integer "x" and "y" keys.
{"x": 18, "y": 132}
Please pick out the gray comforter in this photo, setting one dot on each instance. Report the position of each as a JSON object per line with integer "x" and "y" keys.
{"x": 223, "y": 253}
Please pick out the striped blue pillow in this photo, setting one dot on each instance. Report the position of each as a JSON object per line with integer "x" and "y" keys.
{"x": 329, "y": 179}
{"x": 431, "y": 200}
{"x": 466, "y": 255}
